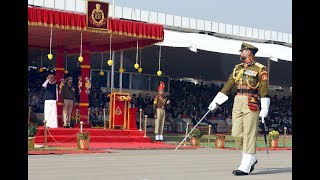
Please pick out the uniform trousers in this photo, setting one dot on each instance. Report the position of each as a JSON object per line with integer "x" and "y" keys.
{"x": 159, "y": 121}
{"x": 67, "y": 110}
{"x": 244, "y": 125}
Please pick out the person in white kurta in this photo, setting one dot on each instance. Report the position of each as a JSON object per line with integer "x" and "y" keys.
{"x": 50, "y": 101}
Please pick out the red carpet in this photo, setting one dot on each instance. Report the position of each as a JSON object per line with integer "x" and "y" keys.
{"x": 100, "y": 140}
{"x": 96, "y": 135}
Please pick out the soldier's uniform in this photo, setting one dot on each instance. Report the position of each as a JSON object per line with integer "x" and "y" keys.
{"x": 159, "y": 106}
{"x": 68, "y": 97}
{"x": 251, "y": 81}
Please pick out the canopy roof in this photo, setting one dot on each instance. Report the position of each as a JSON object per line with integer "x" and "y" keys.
{"x": 211, "y": 43}
{"x": 67, "y": 28}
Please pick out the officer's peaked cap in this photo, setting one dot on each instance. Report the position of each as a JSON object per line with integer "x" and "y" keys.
{"x": 249, "y": 46}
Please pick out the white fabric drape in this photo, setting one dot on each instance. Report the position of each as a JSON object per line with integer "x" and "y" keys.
{"x": 221, "y": 45}
{"x": 50, "y": 113}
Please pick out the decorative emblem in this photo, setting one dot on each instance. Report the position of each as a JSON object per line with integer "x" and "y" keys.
{"x": 264, "y": 77}
{"x": 97, "y": 17}
{"x": 79, "y": 83}
{"x": 118, "y": 111}
{"x": 61, "y": 85}
{"x": 123, "y": 98}
{"x": 88, "y": 85}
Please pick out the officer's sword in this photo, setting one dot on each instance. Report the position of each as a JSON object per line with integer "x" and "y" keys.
{"x": 264, "y": 127}
{"x": 196, "y": 126}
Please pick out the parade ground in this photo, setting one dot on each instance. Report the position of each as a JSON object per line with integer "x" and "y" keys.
{"x": 95, "y": 113}
{"x": 170, "y": 164}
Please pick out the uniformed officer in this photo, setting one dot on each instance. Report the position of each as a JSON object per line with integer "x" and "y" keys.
{"x": 68, "y": 97}
{"x": 159, "y": 104}
{"x": 251, "y": 80}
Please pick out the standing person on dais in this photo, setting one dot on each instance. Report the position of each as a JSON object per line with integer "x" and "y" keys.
{"x": 68, "y": 98}
{"x": 50, "y": 101}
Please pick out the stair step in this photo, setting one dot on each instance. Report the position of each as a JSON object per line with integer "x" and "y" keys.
{"x": 62, "y": 138}
{"x": 96, "y": 135}
{"x": 93, "y": 132}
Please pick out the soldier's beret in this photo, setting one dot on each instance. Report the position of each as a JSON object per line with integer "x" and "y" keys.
{"x": 161, "y": 86}
{"x": 249, "y": 46}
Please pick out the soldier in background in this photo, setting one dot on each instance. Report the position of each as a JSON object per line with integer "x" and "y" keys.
{"x": 68, "y": 98}
{"x": 159, "y": 106}
{"x": 251, "y": 80}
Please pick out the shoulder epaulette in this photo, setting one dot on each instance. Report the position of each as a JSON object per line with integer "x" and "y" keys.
{"x": 238, "y": 65}
{"x": 260, "y": 65}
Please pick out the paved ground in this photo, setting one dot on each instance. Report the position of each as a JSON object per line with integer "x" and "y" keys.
{"x": 193, "y": 164}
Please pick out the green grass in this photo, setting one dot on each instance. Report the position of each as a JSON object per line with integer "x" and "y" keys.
{"x": 229, "y": 141}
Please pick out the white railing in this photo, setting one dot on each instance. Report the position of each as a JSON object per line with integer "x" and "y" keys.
{"x": 173, "y": 21}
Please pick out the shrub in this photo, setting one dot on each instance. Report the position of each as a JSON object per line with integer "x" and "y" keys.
{"x": 83, "y": 135}
{"x": 273, "y": 134}
{"x": 32, "y": 129}
{"x": 197, "y": 133}
{"x": 220, "y": 136}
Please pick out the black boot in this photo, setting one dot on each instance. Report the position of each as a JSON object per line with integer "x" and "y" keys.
{"x": 239, "y": 173}
{"x": 252, "y": 167}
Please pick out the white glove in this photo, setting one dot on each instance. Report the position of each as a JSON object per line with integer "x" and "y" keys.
{"x": 45, "y": 84}
{"x": 218, "y": 100}
{"x": 265, "y": 103}
{"x": 212, "y": 106}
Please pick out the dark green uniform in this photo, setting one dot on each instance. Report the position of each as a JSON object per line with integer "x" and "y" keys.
{"x": 251, "y": 82}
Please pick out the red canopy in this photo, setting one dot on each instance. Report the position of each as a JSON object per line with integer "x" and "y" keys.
{"x": 67, "y": 27}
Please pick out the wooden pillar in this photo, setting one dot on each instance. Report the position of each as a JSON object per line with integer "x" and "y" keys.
{"x": 85, "y": 72}
{"x": 59, "y": 75}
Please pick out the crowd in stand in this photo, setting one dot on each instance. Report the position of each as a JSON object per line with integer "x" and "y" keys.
{"x": 280, "y": 115}
{"x": 188, "y": 101}
{"x": 35, "y": 90}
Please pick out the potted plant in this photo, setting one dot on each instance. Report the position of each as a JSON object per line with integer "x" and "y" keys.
{"x": 32, "y": 131}
{"x": 83, "y": 140}
{"x": 73, "y": 121}
{"x": 220, "y": 140}
{"x": 273, "y": 138}
{"x": 196, "y": 135}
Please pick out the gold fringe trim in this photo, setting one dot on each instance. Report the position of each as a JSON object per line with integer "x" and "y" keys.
{"x": 85, "y": 66}
{"x": 136, "y": 36}
{"x": 84, "y": 104}
{"x": 118, "y": 93}
{"x": 56, "y": 26}
{"x": 95, "y": 30}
